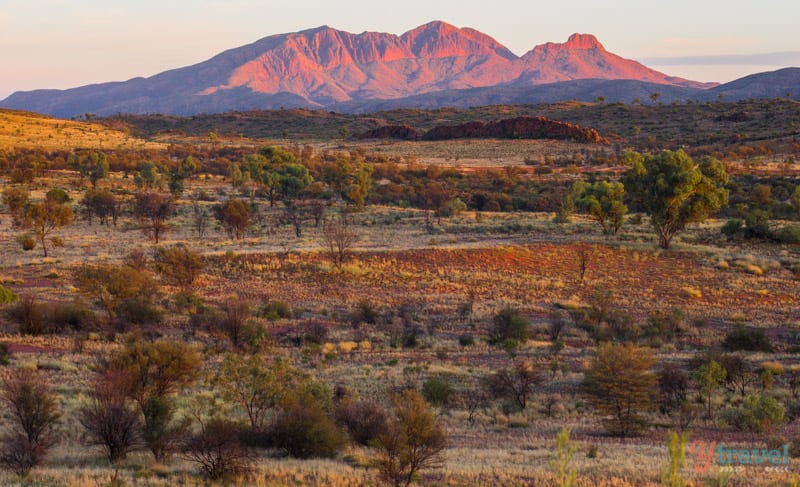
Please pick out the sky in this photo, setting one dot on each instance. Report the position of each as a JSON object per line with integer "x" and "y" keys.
{"x": 68, "y": 43}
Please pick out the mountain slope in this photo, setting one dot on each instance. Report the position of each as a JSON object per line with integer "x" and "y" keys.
{"x": 773, "y": 84}
{"x": 323, "y": 67}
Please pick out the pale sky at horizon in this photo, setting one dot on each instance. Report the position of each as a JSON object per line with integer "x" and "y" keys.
{"x": 67, "y": 43}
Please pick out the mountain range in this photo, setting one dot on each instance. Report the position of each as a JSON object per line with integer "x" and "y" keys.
{"x": 435, "y": 64}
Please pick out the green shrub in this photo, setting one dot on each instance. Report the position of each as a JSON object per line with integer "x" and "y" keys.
{"x": 5, "y": 354}
{"x": 7, "y": 296}
{"x": 509, "y": 324}
{"x": 27, "y": 242}
{"x": 757, "y": 225}
{"x": 72, "y": 316}
{"x": 749, "y": 339}
{"x": 790, "y": 234}
{"x": 732, "y": 227}
{"x": 275, "y": 310}
{"x": 466, "y": 340}
{"x": 757, "y": 414}
{"x": 437, "y": 391}
{"x": 57, "y": 195}
{"x": 305, "y": 430}
{"x": 139, "y": 311}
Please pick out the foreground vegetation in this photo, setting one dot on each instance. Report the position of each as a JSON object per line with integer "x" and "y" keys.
{"x": 232, "y": 311}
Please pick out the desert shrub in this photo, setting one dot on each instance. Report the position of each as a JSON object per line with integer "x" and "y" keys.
{"x": 72, "y": 316}
{"x": 790, "y": 234}
{"x": 5, "y": 354}
{"x": 26, "y": 242}
{"x": 413, "y": 440}
{"x": 30, "y": 315}
{"x": 112, "y": 285}
{"x": 665, "y": 324}
{"x": 466, "y": 340}
{"x": 437, "y": 391}
{"x": 749, "y": 339}
{"x": 275, "y": 310}
{"x": 757, "y": 414}
{"x": 410, "y": 335}
{"x": 235, "y": 217}
{"x": 514, "y": 384}
{"x": 34, "y": 414}
{"x": 305, "y": 430}
{"x": 218, "y": 451}
{"x": 364, "y": 421}
{"x": 756, "y": 225}
{"x": 255, "y": 385}
{"x": 365, "y": 312}
{"x": 15, "y": 199}
{"x": 137, "y": 259}
{"x": 186, "y": 301}
{"x": 509, "y": 324}
{"x": 179, "y": 266}
{"x": 7, "y": 296}
{"x": 161, "y": 432}
{"x": 314, "y": 332}
{"x": 139, "y": 310}
{"x": 673, "y": 385}
{"x": 153, "y": 373}
{"x": 620, "y": 385}
{"x": 57, "y": 195}
{"x": 232, "y": 322}
{"x": 732, "y": 227}
{"x": 109, "y": 420}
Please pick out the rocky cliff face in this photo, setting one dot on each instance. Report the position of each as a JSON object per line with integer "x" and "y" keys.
{"x": 324, "y": 66}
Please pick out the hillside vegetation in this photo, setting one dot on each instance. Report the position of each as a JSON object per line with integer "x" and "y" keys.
{"x": 25, "y": 130}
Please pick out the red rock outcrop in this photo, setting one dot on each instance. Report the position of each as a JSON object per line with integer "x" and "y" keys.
{"x": 400, "y": 132}
{"x": 517, "y": 128}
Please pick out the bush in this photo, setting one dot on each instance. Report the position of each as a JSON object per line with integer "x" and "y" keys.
{"x": 30, "y": 315}
{"x": 27, "y": 242}
{"x": 276, "y": 310}
{"x": 790, "y": 234}
{"x": 437, "y": 391}
{"x": 34, "y": 410}
{"x": 509, "y": 324}
{"x": 413, "y": 441}
{"x": 57, "y": 195}
{"x": 305, "y": 430}
{"x": 218, "y": 450}
{"x": 7, "y": 296}
{"x": 108, "y": 419}
{"x": 5, "y": 354}
{"x": 758, "y": 414}
{"x": 178, "y": 265}
{"x": 365, "y": 312}
{"x": 757, "y": 225}
{"x": 74, "y": 316}
{"x": 749, "y": 339}
{"x": 466, "y": 340}
{"x": 364, "y": 421}
{"x": 139, "y": 311}
{"x": 732, "y": 227}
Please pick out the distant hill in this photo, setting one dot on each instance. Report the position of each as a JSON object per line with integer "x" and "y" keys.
{"x": 33, "y": 131}
{"x": 784, "y": 83}
{"x": 325, "y": 68}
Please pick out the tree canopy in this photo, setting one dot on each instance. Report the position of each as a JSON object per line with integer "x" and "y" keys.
{"x": 675, "y": 190}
